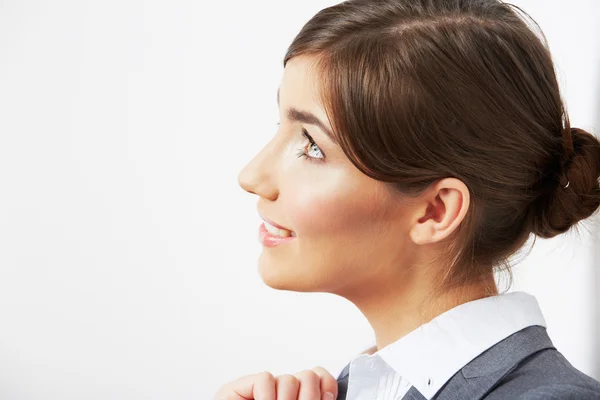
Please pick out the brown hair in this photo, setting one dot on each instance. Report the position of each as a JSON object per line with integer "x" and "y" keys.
{"x": 421, "y": 90}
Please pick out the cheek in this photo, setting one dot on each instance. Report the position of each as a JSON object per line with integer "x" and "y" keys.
{"x": 341, "y": 227}
{"x": 333, "y": 207}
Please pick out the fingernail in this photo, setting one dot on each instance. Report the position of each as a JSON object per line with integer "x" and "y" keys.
{"x": 328, "y": 396}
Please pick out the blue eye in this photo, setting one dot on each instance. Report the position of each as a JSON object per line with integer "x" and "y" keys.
{"x": 314, "y": 153}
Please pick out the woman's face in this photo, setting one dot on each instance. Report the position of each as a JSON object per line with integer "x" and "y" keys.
{"x": 350, "y": 230}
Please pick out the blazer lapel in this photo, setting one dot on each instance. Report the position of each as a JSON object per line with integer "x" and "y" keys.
{"x": 483, "y": 373}
{"x": 342, "y": 381}
{"x": 476, "y": 379}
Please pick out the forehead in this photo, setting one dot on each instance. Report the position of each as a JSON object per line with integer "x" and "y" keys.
{"x": 300, "y": 84}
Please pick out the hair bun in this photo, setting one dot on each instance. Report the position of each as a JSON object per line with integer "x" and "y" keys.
{"x": 566, "y": 206}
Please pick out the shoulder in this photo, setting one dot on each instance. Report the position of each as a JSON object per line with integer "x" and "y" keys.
{"x": 546, "y": 375}
{"x": 561, "y": 392}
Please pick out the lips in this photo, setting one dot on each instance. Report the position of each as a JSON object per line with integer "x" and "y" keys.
{"x": 268, "y": 239}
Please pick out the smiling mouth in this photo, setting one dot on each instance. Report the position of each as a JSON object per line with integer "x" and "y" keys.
{"x": 273, "y": 230}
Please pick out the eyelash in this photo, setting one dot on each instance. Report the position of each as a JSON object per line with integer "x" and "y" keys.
{"x": 303, "y": 153}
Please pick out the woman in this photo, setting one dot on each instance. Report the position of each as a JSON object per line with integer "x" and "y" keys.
{"x": 420, "y": 144}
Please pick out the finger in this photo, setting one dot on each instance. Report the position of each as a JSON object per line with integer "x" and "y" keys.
{"x": 259, "y": 386}
{"x": 328, "y": 381}
{"x": 240, "y": 389}
{"x": 287, "y": 387}
{"x": 264, "y": 387}
{"x": 310, "y": 385}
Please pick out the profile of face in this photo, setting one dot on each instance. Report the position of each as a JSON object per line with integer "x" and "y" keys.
{"x": 351, "y": 231}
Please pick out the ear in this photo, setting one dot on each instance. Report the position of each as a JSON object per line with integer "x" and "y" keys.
{"x": 441, "y": 208}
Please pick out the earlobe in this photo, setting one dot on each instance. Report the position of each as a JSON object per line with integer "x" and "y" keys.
{"x": 444, "y": 209}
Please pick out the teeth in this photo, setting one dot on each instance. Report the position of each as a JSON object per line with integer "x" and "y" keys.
{"x": 278, "y": 232}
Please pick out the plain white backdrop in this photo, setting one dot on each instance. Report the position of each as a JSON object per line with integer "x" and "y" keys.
{"x": 127, "y": 250}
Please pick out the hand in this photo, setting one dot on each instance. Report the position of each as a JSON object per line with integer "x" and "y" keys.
{"x": 312, "y": 384}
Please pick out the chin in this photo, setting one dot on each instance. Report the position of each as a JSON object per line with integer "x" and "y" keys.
{"x": 284, "y": 276}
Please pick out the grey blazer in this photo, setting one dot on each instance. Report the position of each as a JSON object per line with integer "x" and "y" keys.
{"x": 524, "y": 366}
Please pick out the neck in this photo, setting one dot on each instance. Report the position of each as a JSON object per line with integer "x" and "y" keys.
{"x": 395, "y": 310}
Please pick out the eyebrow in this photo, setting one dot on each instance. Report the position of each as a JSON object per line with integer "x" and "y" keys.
{"x": 295, "y": 115}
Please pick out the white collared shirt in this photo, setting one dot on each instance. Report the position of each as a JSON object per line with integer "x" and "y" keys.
{"x": 429, "y": 356}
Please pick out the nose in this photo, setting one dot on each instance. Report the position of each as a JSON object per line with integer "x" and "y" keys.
{"x": 257, "y": 177}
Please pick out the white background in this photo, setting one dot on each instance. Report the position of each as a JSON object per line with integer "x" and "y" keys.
{"x": 127, "y": 250}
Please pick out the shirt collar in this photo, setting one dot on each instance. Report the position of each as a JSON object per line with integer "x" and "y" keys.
{"x": 431, "y": 354}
